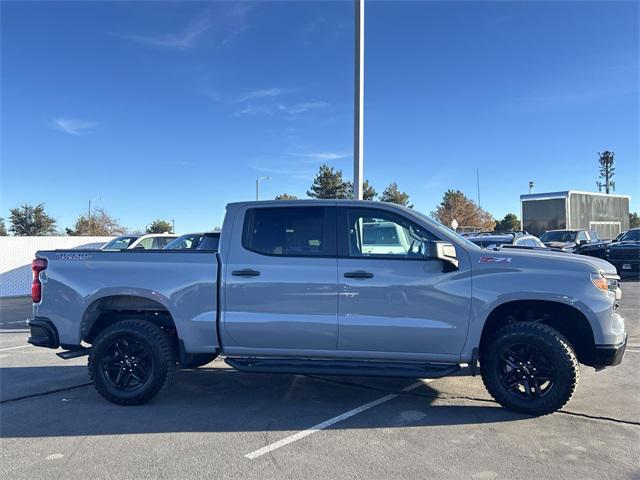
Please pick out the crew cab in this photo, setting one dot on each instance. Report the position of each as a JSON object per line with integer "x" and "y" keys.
{"x": 336, "y": 288}
{"x": 624, "y": 252}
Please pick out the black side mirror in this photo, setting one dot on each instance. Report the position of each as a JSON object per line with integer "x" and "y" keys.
{"x": 583, "y": 242}
{"x": 445, "y": 252}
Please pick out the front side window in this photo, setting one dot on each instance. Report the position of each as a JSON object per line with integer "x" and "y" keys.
{"x": 558, "y": 236}
{"x": 582, "y": 236}
{"x": 209, "y": 242}
{"x": 292, "y": 231}
{"x": 374, "y": 233}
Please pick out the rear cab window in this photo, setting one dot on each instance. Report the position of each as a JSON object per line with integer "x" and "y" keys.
{"x": 290, "y": 231}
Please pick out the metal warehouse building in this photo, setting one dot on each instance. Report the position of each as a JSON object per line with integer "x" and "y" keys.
{"x": 606, "y": 214}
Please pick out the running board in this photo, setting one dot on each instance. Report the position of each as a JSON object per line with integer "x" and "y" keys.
{"x": 342, "y": 367}
{"x": 75, "y": 353}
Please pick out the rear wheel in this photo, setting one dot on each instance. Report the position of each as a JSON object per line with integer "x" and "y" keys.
{"x": 530, "y": 368}
{"x": 131, "y": 362}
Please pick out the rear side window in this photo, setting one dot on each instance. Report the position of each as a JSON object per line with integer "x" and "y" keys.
{"x": 291, "y": 231}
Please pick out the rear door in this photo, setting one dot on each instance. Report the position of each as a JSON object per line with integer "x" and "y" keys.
{"x": 393, "y": 302}
{"x": 280, "y": 281}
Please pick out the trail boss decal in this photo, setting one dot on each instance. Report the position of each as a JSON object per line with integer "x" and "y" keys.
{"x": 73, "y": 256}
{"x": 494, "y": 260}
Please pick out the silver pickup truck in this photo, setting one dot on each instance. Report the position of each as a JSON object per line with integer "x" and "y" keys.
{"x": 333, "y": 288}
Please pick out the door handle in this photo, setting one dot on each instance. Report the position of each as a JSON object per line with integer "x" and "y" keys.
{"x": 245, "y": 272}
{"x": 358, "y": 274}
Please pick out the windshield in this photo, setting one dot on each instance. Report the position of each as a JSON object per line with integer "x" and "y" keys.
{"x": 631, "y": 236}
{"x": 447, "y": 231}
{"x": 558, "y": 236}
{"x": 120, "y": 243}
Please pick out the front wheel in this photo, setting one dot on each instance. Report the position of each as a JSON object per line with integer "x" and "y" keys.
{"x": 529, "y": 368}
{"x": 131, "y": 361}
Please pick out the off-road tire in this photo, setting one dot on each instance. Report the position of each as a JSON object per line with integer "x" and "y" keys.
{"x": 558, "y": 352}
{"x": 161, "y": 357}
{"x": 198, "y": 360}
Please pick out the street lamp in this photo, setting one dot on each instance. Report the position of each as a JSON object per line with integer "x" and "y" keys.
{"x": 89, "y": 219}
{"x": 531, "y": 185}
{"x": 358, "y": 100}
{"x": 258, "y": 186}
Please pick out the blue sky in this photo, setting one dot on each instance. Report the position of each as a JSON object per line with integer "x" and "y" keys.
{"x": 172, "y": 109}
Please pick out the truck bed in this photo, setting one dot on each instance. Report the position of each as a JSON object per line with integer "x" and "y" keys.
{"x": 184, "y": 283}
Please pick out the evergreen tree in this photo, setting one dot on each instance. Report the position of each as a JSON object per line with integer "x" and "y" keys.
{"x": 328, "y": 183}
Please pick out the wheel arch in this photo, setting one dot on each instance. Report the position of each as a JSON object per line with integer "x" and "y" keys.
{"x": 110, "y": 308}
{"x": 566, "y": 319}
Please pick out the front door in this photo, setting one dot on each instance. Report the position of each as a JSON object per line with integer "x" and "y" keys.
{"x": 393, "y": 302}
{"x": 280, "y": 281}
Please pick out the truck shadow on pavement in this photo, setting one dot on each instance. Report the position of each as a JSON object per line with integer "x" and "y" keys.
{"x": 224, "y": 400}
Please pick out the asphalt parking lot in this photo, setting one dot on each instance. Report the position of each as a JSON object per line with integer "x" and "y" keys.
{"x": 220, "y": 423}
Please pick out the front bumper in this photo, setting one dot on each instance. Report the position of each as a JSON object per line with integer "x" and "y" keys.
{"x": 43, "y": 333}
{"x": 609, "y": 355}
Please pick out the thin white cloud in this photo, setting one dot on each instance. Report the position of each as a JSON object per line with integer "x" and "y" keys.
{"x": 325, "y": 156}
{"x": 73, "y": 126}
{"x": 252, "y": 110}
{"x": 302, "y": 107}
{"x": 285, "y": 172}
{"x": 185, "y": 39}
{"x": 264, "y": 93}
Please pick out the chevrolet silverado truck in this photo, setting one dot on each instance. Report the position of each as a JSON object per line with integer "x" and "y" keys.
{"x": 333, "y": 287}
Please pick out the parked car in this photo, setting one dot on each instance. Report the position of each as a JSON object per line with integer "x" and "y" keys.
{"x": 584, "y": 242}
{"x": 494, "y": 240}
{"x": 152, "y": 241}
{"x": 295, "y": 288}
{"x": 624, "y": 253}
{"x": 195, "y": 241}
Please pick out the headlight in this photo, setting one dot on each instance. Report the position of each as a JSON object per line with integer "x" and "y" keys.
{"x": 606, "y": 283}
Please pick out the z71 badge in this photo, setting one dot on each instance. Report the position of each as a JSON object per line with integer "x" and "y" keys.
{"x": 494, "y": 260}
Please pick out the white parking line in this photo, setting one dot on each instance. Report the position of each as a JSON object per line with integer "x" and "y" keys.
{"x": 14, "y": 348}
{"x": 321, "y": 426}
{"x": 632, "y": 351}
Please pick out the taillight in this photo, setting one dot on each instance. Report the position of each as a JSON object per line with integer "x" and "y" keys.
{"x": 38, "y": 265}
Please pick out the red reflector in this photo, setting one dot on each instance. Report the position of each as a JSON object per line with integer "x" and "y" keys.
{"x": 37, "y": 266}
{"x": 36, "y": 291}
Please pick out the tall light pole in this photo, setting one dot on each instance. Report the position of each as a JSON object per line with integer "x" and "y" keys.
{"x": 173, "y": 226}
{"x": 358, "y": 113}
{"x": 258, "y": 186}
{"x": 89, "y": 219}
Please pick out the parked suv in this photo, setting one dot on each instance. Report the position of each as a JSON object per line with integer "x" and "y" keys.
{"x": 515, "y": 239}
{"x": 152, "y": 241}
